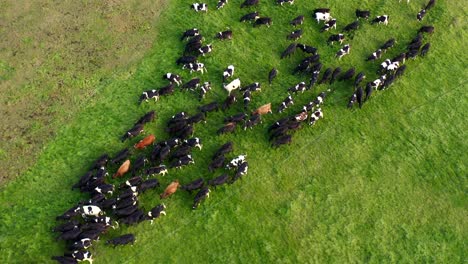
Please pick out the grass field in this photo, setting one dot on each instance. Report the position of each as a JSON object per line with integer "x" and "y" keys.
{"x": 386, "y": 183}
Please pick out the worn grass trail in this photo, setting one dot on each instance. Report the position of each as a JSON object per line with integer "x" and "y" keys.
{"x": 381, "y": 184}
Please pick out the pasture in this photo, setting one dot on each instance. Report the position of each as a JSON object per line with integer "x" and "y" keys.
{"x": 386, "y": 183}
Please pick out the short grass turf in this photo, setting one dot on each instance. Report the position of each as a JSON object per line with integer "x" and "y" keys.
{"x": 386, "y": 183}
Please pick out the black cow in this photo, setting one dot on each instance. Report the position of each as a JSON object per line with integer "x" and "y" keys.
{"x": 421, "y": 14}
{"x": 236, "y": 118}
{"x": 388, "y": 81}
{"x": 224, "y": 149}
{"x": 216, "y": 163}
{"x": 213, "y": 106}
{"x": 132, "y": 132}
{"x": 134, "y": 218}
{"x": 148, "y": 117}
{"x": 126, "y": 211}
{"x": 272, "y": 75}
{"x": 67, "y": 226}
{"x": 148, "y": 184}
{"x": 426, "y": 29}
{"x": 121, "y": 156}
{"x": 253, "y": 121}
{"x": 281, "y": 140}
{"x": 399, "y": 58}
{"x": 295, "y": 35}
{"x": 229, "y": 101}
{"x": 326, "y": 75}
{"x": 369, "y": 90}
{"x": 249, "y": 3}
{"x": 337, "y": 37}
{"x": 313, "y": 79}
{"x": 70, "y": 234}
{"x": 201, "y": 195}
{"x": 335, "y": 74}
{"x": 194, "y": 185}
{"x": 297, "y": 21}
{"x": 101, "y": 161}
{"x": 192, "y": 84}
{"x": 359, "y": 94}
{"x": 425, "y": 49}
{"x": 251, "y": 16}
{"x": 246, "y": 96}
{"x": 307, "y": 49}
{"x": 358, "y": 79}
{"x": 351, "y": 26}
{"x": 388, "y": 44}
{"x": 84, "y": 180}
{"x": 186, "y": 60}
{"x": 197, "y": 118}
{"x": 349, "y": 74}
{"x": 411, "y": 54}
{"x": 263, "y": 21}
{"x": 181, "y": 151}
{"x": 289, "y": 50}
{"x": 220, "y": 180}
{"x": 430, "y": 4}
{"x": 362, "y": 14}
{"x": 224, "y": 35}
{"x": 228, "y": 128}
{"x": 122, "y": 240}
{"x": 139, "y": 163}
{"x": 166, "y": 90}
{"x": 400, "y": 71}
{"x": 190, "y": 33}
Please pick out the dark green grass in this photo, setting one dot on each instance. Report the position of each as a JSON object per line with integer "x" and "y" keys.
{"x": 381, "y": 184}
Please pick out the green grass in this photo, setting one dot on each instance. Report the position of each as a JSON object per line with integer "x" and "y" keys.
{"x": 386, "y": 183}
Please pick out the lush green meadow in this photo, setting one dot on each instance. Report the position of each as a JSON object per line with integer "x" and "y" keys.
{"x": 386, "y": 183}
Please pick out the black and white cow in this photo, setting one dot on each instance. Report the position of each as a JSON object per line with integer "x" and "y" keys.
{"x": 295, "y": 35}
{"x": 316, "y": 115}
{"x": 281, "y": 2}
{"x": 254, "y": 120}
{"x": 322, "y": 14}
{"x": 182, "y": 161}
{"x": 229, "y": 101}
{"x": 221, "y": 4}
{"x": 393, "y": 66}
{"x": 307, "y": 49}
{"x": 421, "y": 14}
{"x": 253, "y": 87}
{"x": 156, "y": 212}
{"x": 149, "y": 94}
{"x": 375, "y": 55}
{"x": 200, "y": 196}
{"x": 228, "y": 72}
{"x": 297, "y": 21}
{"x": 192, "y": 84}
{"x": 195, "y": 67}
{"x": 190, "y": 33}
{"x": 263, "y": 21}
{"x": 82, "y": 256}
{"x": 205, "y": 49}
{"x": 358, "y": 79}
{"x": 300, "y": 87}
{"x": 122, "y": 240}
{"x": 173, "y": 78}
{"x": 381, "y": 19}
{"x": 286, "y": 102}
{"x": 199, "y": 7}
{"x": 378, "y": 82}
{"x": 235, "y": 84}
{"x": 343, "y": 51}
{"x": 352, "y": 100}
{"x": 235, "y": 162}
{"x": 328, "y": 25}
{"x": 362, "y": 14}
{"x": 388, "y": 44}
{"x": 338, "y": 37}
{"x": 153, "y": 171}
{"x": 250, "y": 17}
{"x": 385, "y": 64}
{"x": 241, "y": 171}
{"x": 247, "y": 98}
{"x": 313, "y": 79}
{"x": 224, "y": 35}
{"x": 204, "y": 89}
{"x": 81, "y": 244}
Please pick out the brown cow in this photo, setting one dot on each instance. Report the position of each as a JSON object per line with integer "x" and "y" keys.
{"x": 145, "y": 142}
{"x": 172, "y": 188}
{"x": 262, "y": 110}
{"x": 122, "y": 170}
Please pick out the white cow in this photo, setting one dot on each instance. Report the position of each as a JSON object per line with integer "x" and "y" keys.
{"x": 233, "y": 86}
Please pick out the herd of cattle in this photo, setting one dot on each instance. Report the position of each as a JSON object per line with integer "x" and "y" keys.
{"x": 115, "y": 199}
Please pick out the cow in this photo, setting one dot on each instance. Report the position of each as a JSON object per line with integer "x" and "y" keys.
{"x": 302, "y": 116}
{"x": 149, "y": 94}
{"x": 246, "y": 98}
{"x": 349, "y": 74}
{"x": 426, "y": 29}
{"x": 170, "y": 189}
{"x": 103, "y": 189}
{"x": 362, "y": 14}
{"x": 313, "y": 79}
{"x": 216, "y": 163}
{"x": 173, "y": 78}
{"x": 210, "y": 107}
{"x": 393, "y": 66}
{"x": 369, "y": 90}
{"x": 388, "y": 44}
{"x": 122, "y": 169}
{"x": 82, "y": 256}
{"x": 375, "y": 55}
{"x": 204, "y": 90}
{"x": 205, "y": 49}
{"x": 148, "y": 140}
{"x": 224, "y": 149}
{"x": 190, "y": 33}
{"x": 385, "y": 64}
{"x": 241, "y": 171}
{"x": 316, "y": 115}
{"x": 335, "y": 74}
{"x": 352, "y": 100}
{"x": 351, "y": 26}
{"x": 132, "y": 132}
{"x": 253, "y": 87}
{"x": 166, "y": 90}
{"x": 421, "y": 14}
{"x": 286, "y": 102}
{"x": 146, "y": 118}
{"x": 425, "y": 49}
{"x": 300, "y": 87}
{"x": 134, "y": 218}
{"x": 322, "y": 14}
{"x": 338, "y": 37}
{"x": 193, "y": 142}
{"x": 343, "y": 51}
{"x": 253, "y": 120}
{"x": 388, "y": 82}
{"x": 411, "y": 54}
{"x": 297, "y": 21}
{"x": 378, "y": 82}
{"x": 235, "y": 162}
{"x": 156, "y": 212}
{"x": 281, "y": 140}
{"x": 262, "y": 110}
{"x": 415, "y": 45}
{"x": 235, "y": 84}
{"x": 430, "y": 4}
{"x": 328, "y": 25}
{"x": 186, "y": 60}
{"x": 195, "y": 67}
{"x": 326, "y": 75}
{"x": 273, "y": 73}
{"x": 199, "y": 7}
{"x": 288, "y": 51}
{"x": 84, "y": 180}
{"x": 122, "y": 240}
{"x": 80, "y": 244}
{"x": 281, "y": 2}
{"x": 130, "y": 192}
{"x": 64, "y": 259}
{"x": 263, "y": 21}
{"x": 67, "y": 226}
{"x": 251, "y": 16}
{"x": 236, "y": 118}
{"x": 249, "y": 3}
{"x": 307, "y": 49}
{"x": 223, "y": 35}
{"x": 381, "y": 19}
{"x": 221, "y": 4}
{"x": 197, "y": 118}
{"x": 139, "y": 163}
{"x": 400, "y": 58}
{"x": 358, "y": 79}
{"x": 153, "y": 171}
{"x": 182, "y": 161}
{"x": 90, "y": 210}
{"x": 183, "y": 150}
{"x": 227, "y": 128}
{"x": 229, "y": 101}
{"x": 148, "y": 184}
{"x": 220, "y": 180}
{"x": 192, "y": 84}
{"x": 228, "y": 72}
{"x": 194, "y": 185}
{"x": 359, "y": 94}
{"x": 201, "y": 195}
{"x": 295, "y": 35}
